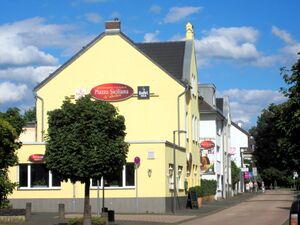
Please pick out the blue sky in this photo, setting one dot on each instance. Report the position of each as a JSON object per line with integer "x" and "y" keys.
{"x": 240, "y": 45}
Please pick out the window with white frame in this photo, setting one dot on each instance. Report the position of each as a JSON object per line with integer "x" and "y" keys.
{"x": 187, "y": 125}
{"x": 196, "y": 128}
{"x": 180, "y": 179}
{"x": 198, "y": 138}
{"x": 193, "y": 129}
{"x": 122, "y": 178}
{"x": 37, "y": 176}
{"x": 171, "y": 176}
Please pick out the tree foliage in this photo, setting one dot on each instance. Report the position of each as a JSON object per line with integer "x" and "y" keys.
{"x": 85, "y": 140}
{"x": 235, "y": 173}
{"x": 277, "y": 131}
{"x": 8, "y": 157}
{"x": 14, "y": 117}
{"x": 30, "y": 115}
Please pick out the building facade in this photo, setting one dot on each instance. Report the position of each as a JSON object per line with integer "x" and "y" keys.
{"x": 161, "y": 115}
{"x": 215, "y": 129}
{"x": 239, "y": 143}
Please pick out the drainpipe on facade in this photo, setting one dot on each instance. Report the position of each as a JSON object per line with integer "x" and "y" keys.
{"x": 42, "y": 100}
{"x": 223, "y": 161}
{"x": 187, "y": 88}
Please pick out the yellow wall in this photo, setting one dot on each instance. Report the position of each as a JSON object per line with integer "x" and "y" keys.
{"x": 114, "y": 60}
{"x": 149, "y": 123}
{"x": 193, "y": 110}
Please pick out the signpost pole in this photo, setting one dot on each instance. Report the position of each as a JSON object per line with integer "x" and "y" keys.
{"x": 137, "y": 162}
{"x": 136, "y": 193}
{"x": 98, "y": 199}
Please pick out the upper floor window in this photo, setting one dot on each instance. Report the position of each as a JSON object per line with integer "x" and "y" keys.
{"x": 194, "y": 85}
{"x": 187, "y": 125}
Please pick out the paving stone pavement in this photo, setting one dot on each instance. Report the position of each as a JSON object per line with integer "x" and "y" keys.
{"x": 181, "y": 216}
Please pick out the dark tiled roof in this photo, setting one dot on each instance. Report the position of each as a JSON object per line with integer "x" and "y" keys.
{"x": 169, "y": 55}
{"x": 204, "y": 106}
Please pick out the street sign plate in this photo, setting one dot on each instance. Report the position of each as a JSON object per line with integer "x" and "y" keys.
{"x": 245, "y": 169}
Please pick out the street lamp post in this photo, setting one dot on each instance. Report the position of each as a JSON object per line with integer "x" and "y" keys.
{"x": 174, "y": 163}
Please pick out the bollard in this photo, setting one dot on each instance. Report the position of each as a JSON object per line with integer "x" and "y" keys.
{"x": 111, "y": 216}
{"x": 28, "y": 211}
{"x": 61, "y": 211}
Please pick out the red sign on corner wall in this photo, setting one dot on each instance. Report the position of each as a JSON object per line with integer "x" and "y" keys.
{"x": 36, "y": 158}
{"x": 112, "y": 92}
{"x": 207, "y": 144}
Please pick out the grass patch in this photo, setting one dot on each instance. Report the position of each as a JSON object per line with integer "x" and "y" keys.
{"x": 79, "y": 221}
{"x": 12, "y": 219}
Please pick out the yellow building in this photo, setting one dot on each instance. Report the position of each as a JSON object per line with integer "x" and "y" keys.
{"x": 154, "y": 86}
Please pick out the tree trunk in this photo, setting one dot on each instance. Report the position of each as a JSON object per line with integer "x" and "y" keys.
{"x": 87, "y": 207}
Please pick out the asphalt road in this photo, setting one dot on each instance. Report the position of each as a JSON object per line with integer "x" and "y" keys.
{"x": 269, "y": 208}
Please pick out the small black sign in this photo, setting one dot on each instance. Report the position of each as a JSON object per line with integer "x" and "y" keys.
{"x": 143, "y": 92}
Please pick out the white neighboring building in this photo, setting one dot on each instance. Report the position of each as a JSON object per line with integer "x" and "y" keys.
{"x": 239, "y": 144}
{"x": 215, "y": 125}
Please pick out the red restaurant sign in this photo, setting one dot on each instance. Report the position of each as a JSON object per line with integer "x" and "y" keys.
{"x": 112, "y": 92}
{"x": 36, "y": 158}
{"x": 207, "y": 144}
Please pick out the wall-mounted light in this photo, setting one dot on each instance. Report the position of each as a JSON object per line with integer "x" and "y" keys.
{"x": 179, "y": 172}
{"x": 170, "y": 170}
{"x": 149, "y": 172}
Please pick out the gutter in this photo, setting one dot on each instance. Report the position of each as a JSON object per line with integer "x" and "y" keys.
{"x": 42, "y": 133}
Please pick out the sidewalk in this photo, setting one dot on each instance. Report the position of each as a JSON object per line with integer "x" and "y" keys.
{"x": 182, "y": 215}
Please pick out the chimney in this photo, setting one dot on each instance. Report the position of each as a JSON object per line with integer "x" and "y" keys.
{"x": 113, "y": 26}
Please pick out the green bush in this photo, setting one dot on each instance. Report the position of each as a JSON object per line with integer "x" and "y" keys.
{"x": 209, "y": 187}
{"x": 198, "y": 189}
{"x": 79, "y": 221}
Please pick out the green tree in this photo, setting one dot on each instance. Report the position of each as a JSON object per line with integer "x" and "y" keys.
{"x": 235, "y": 173}
{"x": 277, "y": 132}
{"x": 30, "y": 115}
{"x": 14, "y": 117}
{"x": 85, "y": 140}
{"x": 289, "y": 122}
{"x": 8, "y": 157}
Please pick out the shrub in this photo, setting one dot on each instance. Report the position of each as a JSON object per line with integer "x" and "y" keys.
{"x": 198, "y": 189}
{"x": 79, "y": 221}
{"x": 209, "y": 187}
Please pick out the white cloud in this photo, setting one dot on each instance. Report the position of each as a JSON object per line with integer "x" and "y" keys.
{"x": 238, "y": 44}
{"x": 155, "y": 9}
{"x": 29, "y": 38}
{"x": 292, "y": 46}
{"x": 151, "y": 37}
{"x": 246, "y": 105}
{"x": 229, "y": 43}
{"x": 27, "y": 74}
{"x": 10, "y": 92}
{"x": 176, "y": 14}
{"x": 93, "y": 17}
{"x": 20, "y": 46}
{"x": 283, "y": 35}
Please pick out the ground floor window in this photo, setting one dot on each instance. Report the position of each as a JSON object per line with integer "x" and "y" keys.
{"x": 122, "y": 178}
{"x": 37, "y": 176}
